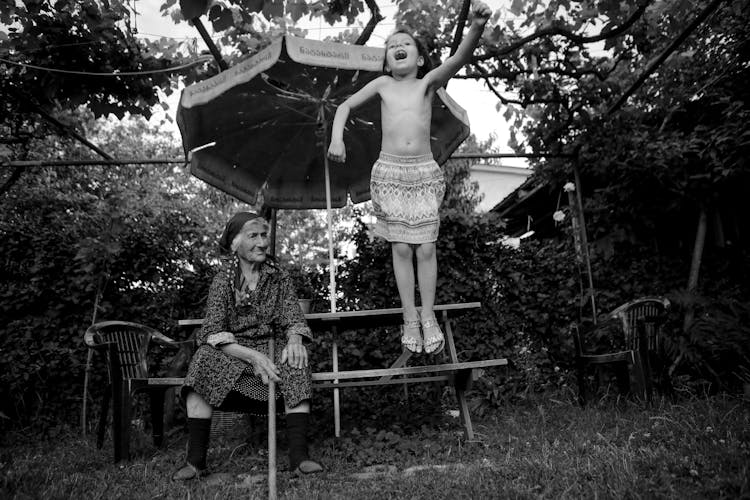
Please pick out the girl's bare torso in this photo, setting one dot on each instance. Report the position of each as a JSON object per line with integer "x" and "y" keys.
{"x": 406, "y": 114}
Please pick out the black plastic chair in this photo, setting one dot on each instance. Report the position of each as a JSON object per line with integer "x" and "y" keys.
{"x": 640, "y": 323}
{"x": 126, "y": 346}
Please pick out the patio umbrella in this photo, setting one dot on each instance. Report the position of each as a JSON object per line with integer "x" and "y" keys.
{"x": 262, "y": 127}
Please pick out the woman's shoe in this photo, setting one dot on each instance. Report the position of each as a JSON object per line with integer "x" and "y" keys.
{"x": 308, "y": 467}
{"x": 188, "y": 472}
{"x": 411, "y": 336}
{"x": 434, "y": 341}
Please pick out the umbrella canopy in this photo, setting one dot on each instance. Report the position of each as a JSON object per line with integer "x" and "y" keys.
{"x": 262, "y": 127}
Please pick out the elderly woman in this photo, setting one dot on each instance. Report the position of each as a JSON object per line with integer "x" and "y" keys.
{"x": 251, "y": 300}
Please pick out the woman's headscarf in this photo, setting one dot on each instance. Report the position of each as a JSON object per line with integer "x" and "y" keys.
{"x": 232, "y": 229}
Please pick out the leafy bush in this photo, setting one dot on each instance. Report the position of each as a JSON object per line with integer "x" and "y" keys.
{"x": 714, "y": 351}
{"x": 133, "y": 243}
{"x": 99, "y": 245}
{"x": 528, "y": 296}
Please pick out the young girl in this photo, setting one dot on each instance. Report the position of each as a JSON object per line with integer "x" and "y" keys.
{"x": 407, "y": 185}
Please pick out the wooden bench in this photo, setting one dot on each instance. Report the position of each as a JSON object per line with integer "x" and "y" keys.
{"x": 456, "y": 373}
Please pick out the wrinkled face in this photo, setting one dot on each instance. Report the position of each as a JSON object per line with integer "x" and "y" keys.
{"x": 252, "y": 241}
{"x": 402, "y": 54}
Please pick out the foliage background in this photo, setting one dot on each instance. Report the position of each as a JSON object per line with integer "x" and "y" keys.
{"x": 137, "y": 242}
{"x": 141, "y": 240}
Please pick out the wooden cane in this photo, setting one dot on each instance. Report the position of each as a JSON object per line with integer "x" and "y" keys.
{"x": 271, "y": 429}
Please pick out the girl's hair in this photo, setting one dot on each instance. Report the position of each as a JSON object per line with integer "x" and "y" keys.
{"x": 421, "y": 49}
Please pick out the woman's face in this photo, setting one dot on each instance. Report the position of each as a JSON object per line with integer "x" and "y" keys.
{"x": 253, "y": 241}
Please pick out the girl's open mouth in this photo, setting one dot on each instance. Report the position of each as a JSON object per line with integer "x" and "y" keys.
{"x": 400, "y": 54}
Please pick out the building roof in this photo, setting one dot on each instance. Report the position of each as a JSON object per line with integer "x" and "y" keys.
{"x": 496, "y": 182}
{"x": 529, "y": 207}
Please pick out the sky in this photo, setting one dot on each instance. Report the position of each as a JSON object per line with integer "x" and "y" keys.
{"x": 474, "y": 97}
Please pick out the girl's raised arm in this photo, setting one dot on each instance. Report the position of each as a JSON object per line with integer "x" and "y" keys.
{"x": 439, "y": 76}
{"x": 337, "y": 150}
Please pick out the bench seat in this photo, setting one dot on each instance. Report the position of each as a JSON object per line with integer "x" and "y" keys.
{"x": 458, "y": 374}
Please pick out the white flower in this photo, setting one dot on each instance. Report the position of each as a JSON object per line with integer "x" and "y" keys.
{"x": 559, "y": 216}
{"x": 568, "y": 187}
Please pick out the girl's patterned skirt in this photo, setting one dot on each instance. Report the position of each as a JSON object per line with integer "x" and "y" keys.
{"x": 406, "y": 195}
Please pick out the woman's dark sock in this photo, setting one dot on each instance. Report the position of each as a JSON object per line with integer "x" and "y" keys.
{"x": 296, "y": 428}
{"x": 199, "y": 433}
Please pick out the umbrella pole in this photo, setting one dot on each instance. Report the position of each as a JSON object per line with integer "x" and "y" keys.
{"x": 332, "y": 277}
{"x": 329, "y": 210}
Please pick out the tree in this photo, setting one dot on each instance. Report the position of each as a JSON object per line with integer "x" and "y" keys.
{"x": 679, "y": 148}
{"x": 105, "y": 242}
{"x": 57, "y": 56}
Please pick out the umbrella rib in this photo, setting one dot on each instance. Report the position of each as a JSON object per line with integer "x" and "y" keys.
{"x": 289, "y": 108}
{"x": 289, "y": 93}
{"x": 231, "y": 133}
{"x": 273, "y": 119}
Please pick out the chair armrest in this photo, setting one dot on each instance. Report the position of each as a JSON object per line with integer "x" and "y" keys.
{"x": 90, "y": 340}
{"x": 165, "y": 341}
{"x": 101, "y": 347}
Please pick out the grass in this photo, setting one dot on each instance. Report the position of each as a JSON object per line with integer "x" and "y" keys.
{"x": 546, "y": 448}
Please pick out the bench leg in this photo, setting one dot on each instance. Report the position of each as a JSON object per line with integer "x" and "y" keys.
{"x": 448, "y": 332}
{"x": 459, "y": 382}
{"x": 336, "y": 400}
{"x": 463, "y": 410}
{"x": 399, "y": 363}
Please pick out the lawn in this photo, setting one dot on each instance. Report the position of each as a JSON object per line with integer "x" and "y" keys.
{"x": 547, "y": 447}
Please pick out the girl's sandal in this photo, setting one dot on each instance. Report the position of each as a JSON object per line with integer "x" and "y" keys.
{"x": 434, "y": 341}
{"x": 411, "y": 336}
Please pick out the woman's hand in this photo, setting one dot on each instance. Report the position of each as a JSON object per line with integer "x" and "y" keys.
{"x": 262, "y": 364}
{"x": 295, "y": 353}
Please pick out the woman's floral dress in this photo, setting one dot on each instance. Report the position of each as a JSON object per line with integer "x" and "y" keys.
{"x": 252, "y": 316}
